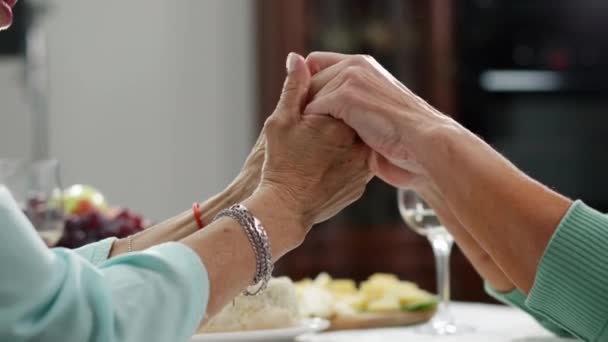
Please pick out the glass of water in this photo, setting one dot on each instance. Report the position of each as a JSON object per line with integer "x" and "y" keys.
{"x": 421, "y": 218}
{"x": 37, "y": 189}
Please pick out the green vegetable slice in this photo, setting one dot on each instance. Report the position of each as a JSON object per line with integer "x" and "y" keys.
{"x": 420, "y": 306}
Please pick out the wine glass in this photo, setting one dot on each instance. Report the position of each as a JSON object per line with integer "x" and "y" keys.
{"x": 37, "y": 189}
{"x": 421, "y": 218}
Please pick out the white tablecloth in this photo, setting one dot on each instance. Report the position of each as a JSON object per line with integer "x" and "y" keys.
{"x": 489, "y": 322}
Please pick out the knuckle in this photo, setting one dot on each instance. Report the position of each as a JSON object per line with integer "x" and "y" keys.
{"x": 353, "y": 73}
{"x": 273, "y": 123}
{"x": 368, "y": 58}
{"x": 360, "y": 60}
{"x": 348, "y": 94}
{"x": 368, "y": 61}
{"x": 314, "y": 55}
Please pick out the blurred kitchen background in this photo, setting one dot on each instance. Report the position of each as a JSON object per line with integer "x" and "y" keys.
{"x": 157, "y": 103}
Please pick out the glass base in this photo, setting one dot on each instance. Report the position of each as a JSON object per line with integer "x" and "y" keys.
{"x": 439, "y": 327}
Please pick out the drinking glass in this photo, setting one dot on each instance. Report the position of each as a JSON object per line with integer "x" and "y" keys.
{"x": 421, "y": 218}
{"x": 37, "y": 189}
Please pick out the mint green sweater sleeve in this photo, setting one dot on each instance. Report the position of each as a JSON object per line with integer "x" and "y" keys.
{"x": 571, "y": 284}
{"x": 96, "y": 252}
{"x": 517, "y": 299}
{"x": 570, "y": 291}
{"x": 58, "y": 295}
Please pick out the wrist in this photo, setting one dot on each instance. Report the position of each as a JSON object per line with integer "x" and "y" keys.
{"x": 285, "y": 226}
{"x": 236, "y": 192}
{"x": 243, "y": 186}
{"x": 434, "y": 140}
{"x": 119, "y": 246}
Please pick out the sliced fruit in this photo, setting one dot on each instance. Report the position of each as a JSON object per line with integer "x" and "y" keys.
{"x": 383, "y": 278}
{"x": 356, "y": 302}
{"x": 384, "y": 304}
{"x": 81, "y": 198}
{"x": 342, "y": 287}
{"x": 372, "y": 291}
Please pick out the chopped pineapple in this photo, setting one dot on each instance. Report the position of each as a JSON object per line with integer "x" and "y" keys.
{"x": 381, "y": 292}
{"x": 372, "y": 291}
{"x": 342, "y": 287}
{"x": 383, "y": 278}
{"x": 384, "y": 304}
{"x": 408, "y": 294}
{"x": 350, "y": 304}
{"x": 357, "y": 302}
{"x": 378, "y": 285}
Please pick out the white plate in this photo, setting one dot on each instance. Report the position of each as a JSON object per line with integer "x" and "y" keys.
{"x": 286, "y": 334}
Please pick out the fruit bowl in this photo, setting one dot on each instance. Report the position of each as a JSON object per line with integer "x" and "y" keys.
{"x": 96, "y": 225}
{"x": 89, "y": 218}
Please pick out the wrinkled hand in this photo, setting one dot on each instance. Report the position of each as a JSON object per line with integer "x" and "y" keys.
{"x": 315, "y": 163}
{"x": 385, "y": 113}
{"x": 250, "y": 175}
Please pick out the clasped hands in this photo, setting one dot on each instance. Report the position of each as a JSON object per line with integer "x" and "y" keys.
{"x": 341, "y": 119}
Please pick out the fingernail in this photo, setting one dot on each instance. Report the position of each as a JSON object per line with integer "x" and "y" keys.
{"x": 292, "y": 59}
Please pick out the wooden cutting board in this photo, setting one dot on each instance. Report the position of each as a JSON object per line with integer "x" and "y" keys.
{"x": 369, "y": 320}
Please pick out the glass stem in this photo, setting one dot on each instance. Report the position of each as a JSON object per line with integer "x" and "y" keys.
{"x": 442, "y": 247}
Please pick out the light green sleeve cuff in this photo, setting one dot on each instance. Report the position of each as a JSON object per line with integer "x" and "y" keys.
{"x": 517, "y": 299}
{"x": 514, "y": 298}
{"x": 97, "y": 252}
{"x": 571, "y": 284}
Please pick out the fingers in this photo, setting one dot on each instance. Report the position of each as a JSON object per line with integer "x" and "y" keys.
{"x": 388, "y": 172}
{"x": 324, "y": 77}
{"x": 318, "y": 61}
{"x": 351, "y": 64}
{"x": 295, "y": 88}
{"x": 328, "y": 104}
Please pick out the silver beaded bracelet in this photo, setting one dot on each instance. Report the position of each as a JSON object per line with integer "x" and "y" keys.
{"x": 256, "y": 234}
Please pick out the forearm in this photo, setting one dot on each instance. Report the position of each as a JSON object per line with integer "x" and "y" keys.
{"x": 184, "y": 224}
{"x": 479, "y": 258}
{"x": 511, "y": 216}
{"x": 228, "y": 255}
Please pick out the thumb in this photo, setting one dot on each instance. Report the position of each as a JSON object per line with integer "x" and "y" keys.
{"x": 295, "y": 89}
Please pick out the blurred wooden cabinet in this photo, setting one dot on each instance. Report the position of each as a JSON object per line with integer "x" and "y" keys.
{"x": 413, "y": 40}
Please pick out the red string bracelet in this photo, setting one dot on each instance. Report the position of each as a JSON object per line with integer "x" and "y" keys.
{"x": 196, "y": 209}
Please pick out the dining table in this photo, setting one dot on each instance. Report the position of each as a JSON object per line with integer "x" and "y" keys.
{"x": 485, "y": 322}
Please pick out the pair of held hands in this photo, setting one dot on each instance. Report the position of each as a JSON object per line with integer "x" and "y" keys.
{"x": 340, "y": 120}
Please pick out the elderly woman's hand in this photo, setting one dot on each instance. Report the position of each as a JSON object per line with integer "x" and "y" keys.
{"x": 385, "y": 113}
{"x": 249, "y": 177}
{"x": 480, "y": 187}
{"x": 315, "y": 164}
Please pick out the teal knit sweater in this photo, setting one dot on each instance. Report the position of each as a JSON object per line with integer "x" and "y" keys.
{"x": 570, "y": 292}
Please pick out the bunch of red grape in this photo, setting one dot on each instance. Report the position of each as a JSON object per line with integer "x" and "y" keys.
{"x": 94, "y": 226}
